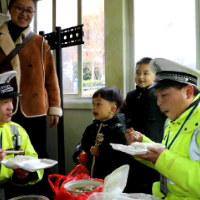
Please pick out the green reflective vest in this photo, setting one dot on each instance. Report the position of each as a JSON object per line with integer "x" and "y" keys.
{"x": 6, "y": 142}
{"x": 181, "y": 163}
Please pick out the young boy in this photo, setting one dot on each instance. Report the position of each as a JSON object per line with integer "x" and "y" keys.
{"x": 108, "y": 127}
{"x": 14, "y": 137}
{"x": 143, "y": 115}
{"x": 140, "y": 106}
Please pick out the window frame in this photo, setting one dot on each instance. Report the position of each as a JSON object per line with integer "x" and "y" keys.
{"x": 125, "y": 73}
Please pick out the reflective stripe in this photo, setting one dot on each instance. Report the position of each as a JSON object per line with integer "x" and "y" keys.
{"x": 194, "y": 147}
{"x": 15, "y": 132}
{"x": 170, "y": 182}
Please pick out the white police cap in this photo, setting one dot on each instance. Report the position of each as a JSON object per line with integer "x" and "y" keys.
{"x": 167, "y": 70}
{"x": 6, "y": 91}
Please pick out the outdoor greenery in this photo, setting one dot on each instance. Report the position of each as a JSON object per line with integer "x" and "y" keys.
{"x": 91, "y": 83}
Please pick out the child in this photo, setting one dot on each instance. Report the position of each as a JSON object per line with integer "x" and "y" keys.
{"x": 108, "y": 127}
{"x": 140, "y": 106}
{"x": 143, "y": 115}
{"x": 14, "y": 137}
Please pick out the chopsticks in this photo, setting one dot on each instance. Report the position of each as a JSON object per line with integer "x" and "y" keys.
{"x": 14, "y": 152}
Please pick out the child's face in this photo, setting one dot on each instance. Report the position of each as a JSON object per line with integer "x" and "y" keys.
{"x": 144, "y": 76}
{"x": 6, "y": 108}
{"x": 102, "y": 109}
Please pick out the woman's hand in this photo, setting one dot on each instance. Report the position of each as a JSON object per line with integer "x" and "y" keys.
{"x": 21, "y": 174}
{"x": 2, "y": 154}
{"x": 133, "y": 136}
{"x": 153, "y": 155}
{"x": 53, "y": 121}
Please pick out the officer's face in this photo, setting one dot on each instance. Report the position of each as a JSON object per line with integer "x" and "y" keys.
{"x": 173, "y": 102}
{"x": 144, "y": 76}
{"x": 6, "y": 108}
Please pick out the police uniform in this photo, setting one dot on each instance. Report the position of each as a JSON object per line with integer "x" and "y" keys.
{"x": 180, "y": 163}
{"x": 14, "y": 137}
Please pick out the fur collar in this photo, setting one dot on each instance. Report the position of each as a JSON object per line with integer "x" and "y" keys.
{"x": 7, "y": 45}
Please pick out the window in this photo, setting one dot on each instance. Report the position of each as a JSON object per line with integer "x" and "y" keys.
{"x": 93, "y": 48}
{"x": 67, "y": 14}
{"x": 92, "y": 70}
{"x": 165, "y": 29}
{"x": 83, "y": 65}
{"x": 44, "y": 16}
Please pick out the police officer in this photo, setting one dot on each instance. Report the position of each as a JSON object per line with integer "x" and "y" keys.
{"x": 14, "y": 137}
{"x": 179, "y": 163}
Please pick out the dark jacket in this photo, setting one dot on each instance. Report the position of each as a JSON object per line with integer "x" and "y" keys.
{"x": 109, "y": 159}
{"x": 143, "y": 114}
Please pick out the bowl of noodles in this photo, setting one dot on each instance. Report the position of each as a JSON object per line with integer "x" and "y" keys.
{"x": 82, "y": 186}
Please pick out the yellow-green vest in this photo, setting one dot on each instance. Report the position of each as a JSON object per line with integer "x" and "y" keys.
{"x": 6, "y": 142}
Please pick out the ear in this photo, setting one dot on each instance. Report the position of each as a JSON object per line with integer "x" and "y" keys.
{"x": 113, "y": 109}
{"x": 190, "y": 91}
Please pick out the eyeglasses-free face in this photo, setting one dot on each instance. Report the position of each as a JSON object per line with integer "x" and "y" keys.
{"x": 21, "y": 12}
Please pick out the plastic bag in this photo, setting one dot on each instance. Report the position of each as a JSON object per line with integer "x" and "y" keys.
{"x": 78, "y": 173}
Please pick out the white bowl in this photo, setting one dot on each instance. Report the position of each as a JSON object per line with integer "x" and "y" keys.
{"x": 81, "y": 183}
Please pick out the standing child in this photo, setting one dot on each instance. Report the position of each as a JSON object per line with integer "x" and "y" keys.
{"x": 108, "y": 127}
{"x": 140, "y": 106}
{"x": 143, "y": 115}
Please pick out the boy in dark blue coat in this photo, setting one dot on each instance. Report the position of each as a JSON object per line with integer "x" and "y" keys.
{"x": 108, "y": 127}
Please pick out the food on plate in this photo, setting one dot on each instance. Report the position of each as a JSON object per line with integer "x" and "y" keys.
{"x": 137, "y": 135}
{"x": 19, "y": 159}
{"x": 88, "y": 188}
{"x": 144, "y": 146}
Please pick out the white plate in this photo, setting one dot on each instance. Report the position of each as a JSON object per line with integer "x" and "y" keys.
{"x": 129, "y": 149}
{"x": 31, "y": 165}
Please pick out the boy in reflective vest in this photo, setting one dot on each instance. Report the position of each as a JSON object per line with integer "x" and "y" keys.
{"x": 14, "y": 137}
{"x": 179, "y": 163}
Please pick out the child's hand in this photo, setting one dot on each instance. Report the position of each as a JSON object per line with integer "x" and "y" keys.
{"x": 133, "y": 136}
{"x": 95, "y": 151}
{"x": 82, "y": 158}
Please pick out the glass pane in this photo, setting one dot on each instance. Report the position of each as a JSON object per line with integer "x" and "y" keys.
{"x": 44, "y": 16}
{"x": 165, "y": 29}
{"x": 67, "y": 17}
{"x": 93, "y": 48}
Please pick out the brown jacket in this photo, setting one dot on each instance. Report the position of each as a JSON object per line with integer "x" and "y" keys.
{"x": 36, "y": 76}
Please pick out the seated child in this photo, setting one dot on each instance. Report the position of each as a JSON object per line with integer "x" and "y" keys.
{"x": 14, "y": 181}
{"x": 107, "y": 127}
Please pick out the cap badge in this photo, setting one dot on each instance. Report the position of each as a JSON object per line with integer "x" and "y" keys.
{"x": 156, "y": 67}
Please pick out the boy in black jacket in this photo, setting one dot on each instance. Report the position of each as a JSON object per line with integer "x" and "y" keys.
{"x": 143, "y": 115}
{"x": 140, "y": 106}
{"x": 108, "y": 127}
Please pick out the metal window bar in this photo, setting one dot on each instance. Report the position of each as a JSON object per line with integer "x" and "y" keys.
{"x": 62, "y": 38}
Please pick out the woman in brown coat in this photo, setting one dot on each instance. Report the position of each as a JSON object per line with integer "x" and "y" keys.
{"x": 36, "y": 75}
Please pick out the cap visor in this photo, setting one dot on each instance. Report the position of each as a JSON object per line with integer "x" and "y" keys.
{"x": 10, "y": 95}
